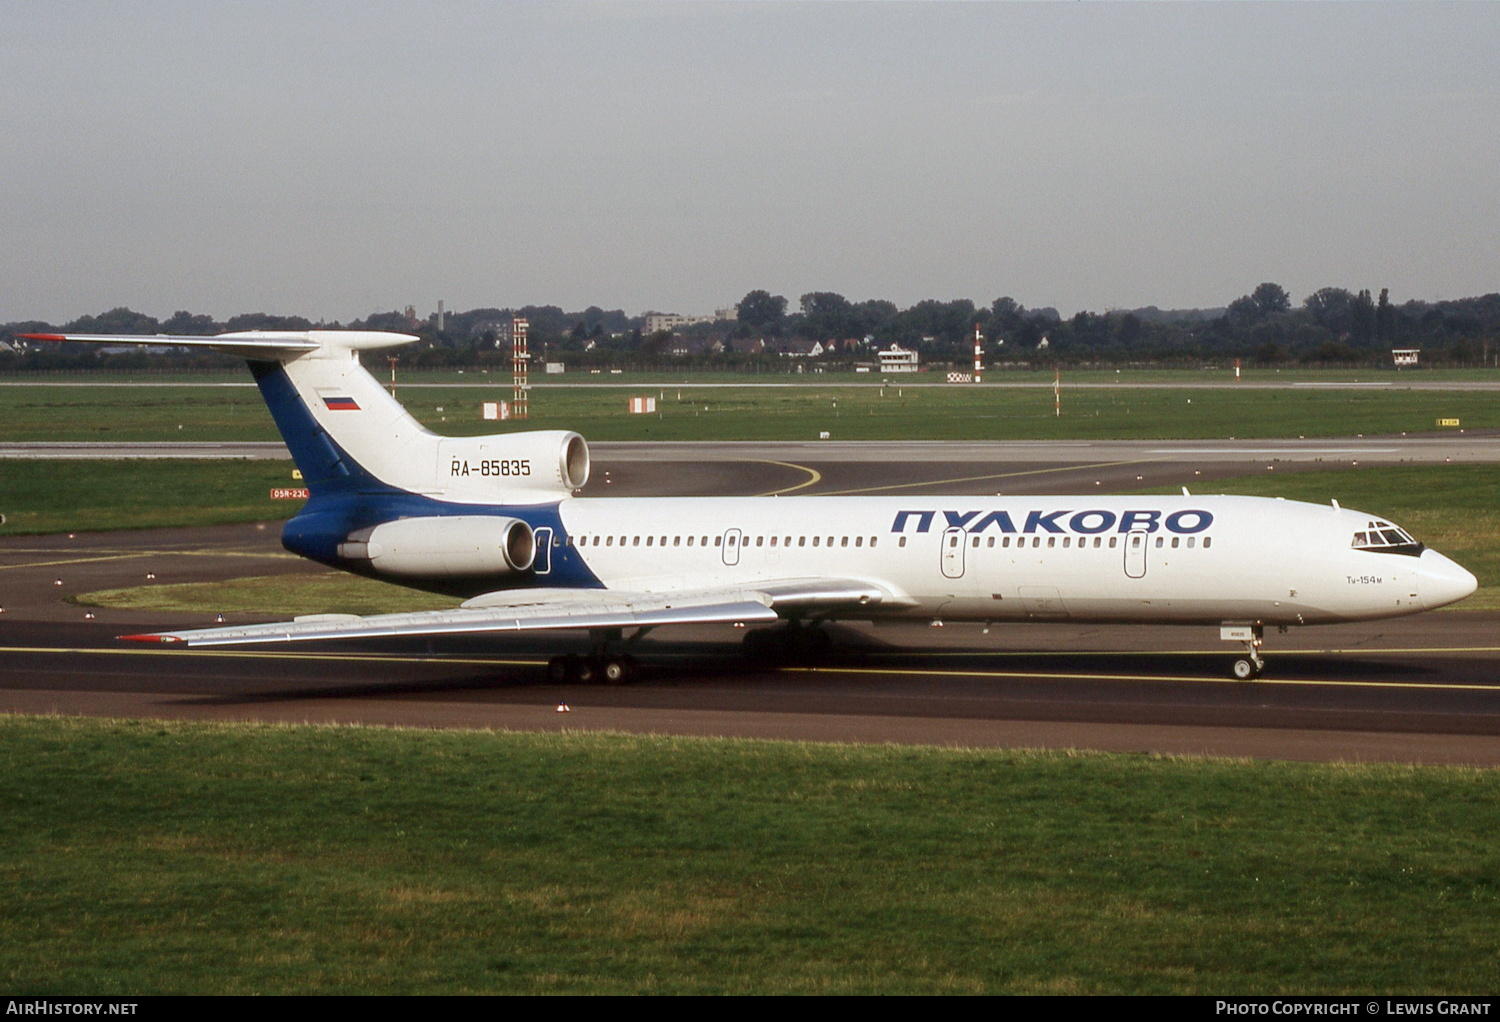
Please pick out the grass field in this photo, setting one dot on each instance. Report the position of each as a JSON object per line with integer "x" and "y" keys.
{"x": 84, "y": 496}
{"x": 845, "y": 411}
{"x": 999, "y": 373}
{"x": 161, "y": 858}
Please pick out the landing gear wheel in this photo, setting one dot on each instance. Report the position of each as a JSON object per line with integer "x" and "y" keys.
{"x": 1247, "y": 669}
{"x": 618, "y": 670}
{"x": 561, "y": 670}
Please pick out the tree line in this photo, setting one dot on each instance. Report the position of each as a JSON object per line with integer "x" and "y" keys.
{"x": 1332, "y": 326}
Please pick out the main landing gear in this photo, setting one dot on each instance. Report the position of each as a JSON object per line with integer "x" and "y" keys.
{"x": 792, "y": 641}
{"x": 600, "y": 664}
{"x": 1247, "y": 667}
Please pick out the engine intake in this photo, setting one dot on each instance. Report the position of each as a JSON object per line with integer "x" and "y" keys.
{"x": 513, "y": 468}
{"x": 457, "y": 545}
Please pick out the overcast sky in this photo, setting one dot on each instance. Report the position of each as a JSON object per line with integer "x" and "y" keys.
{"x": 336, "y": 159}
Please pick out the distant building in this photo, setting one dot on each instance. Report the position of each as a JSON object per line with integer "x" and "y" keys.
{"x": 656, "y": 321}
{"x": 683, "y": 346}
{"x": 897, "y": 359}
{"x": 799, "y": 349}
{"x": 1405, "y": 357}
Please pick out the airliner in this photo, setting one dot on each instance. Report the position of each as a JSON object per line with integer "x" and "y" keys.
{"x": 497, "y": 520}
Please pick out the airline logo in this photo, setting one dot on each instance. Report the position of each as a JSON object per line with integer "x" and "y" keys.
{"x": 1085, "y": 523}
{"x": 340, "y": 404}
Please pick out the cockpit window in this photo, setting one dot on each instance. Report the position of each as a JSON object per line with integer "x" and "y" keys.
{"x": 1385, "y": 538}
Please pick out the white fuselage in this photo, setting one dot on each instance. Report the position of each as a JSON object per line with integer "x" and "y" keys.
{"x": 1193, "y": 559}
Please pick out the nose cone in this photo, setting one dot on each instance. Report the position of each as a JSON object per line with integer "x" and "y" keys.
{"x": 1441, "y": 581}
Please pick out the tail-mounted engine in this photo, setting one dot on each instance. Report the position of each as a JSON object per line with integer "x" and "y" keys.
{"x": 455, "y": 546}
{"x": 513, "y": 468}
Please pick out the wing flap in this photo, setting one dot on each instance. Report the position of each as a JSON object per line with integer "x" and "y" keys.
{"x": 550, "y": 609}
{"x": 642, "y": 612}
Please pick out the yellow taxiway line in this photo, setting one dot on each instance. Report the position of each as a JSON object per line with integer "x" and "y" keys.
{"x": 1193, "y": 679}
{"x": 998, "y": 475}
{"x": 377, "y": 658}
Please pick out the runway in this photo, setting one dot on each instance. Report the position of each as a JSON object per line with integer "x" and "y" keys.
{"x": 1420, "y": 690}
{"x": 1456, "y": 446}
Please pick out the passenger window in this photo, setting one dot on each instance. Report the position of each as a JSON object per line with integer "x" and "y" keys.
{"x": 1207, "y": 542}
{"x": 903, "y": 541}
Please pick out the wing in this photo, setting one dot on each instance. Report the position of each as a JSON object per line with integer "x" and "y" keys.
{"x": 529, "y": 610}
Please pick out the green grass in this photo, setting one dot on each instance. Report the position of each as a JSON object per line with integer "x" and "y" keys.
{"x": 160, "y": 858}
{"x": 846, "y": 412}
{"x": 323, "y": 592}
{"x": 134, "y": 413}
{"x": 941, "y": 413}
{"x": 82, "y": 496}
{"x": 785, "y": 373}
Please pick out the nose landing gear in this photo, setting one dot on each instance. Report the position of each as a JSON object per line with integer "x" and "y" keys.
{"x": 1247, "y": 667}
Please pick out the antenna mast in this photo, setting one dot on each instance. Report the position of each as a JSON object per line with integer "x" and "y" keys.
{"x": 520, "y": 361}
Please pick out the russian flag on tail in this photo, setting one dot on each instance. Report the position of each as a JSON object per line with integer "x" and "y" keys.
{"x": 340, "y": 404}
